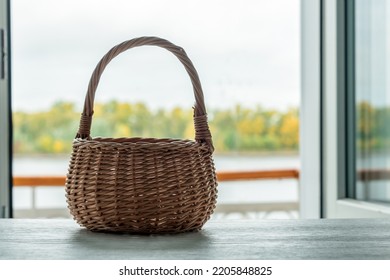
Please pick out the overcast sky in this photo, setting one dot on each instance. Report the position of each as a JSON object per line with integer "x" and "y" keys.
{"x": 245, "y": 51}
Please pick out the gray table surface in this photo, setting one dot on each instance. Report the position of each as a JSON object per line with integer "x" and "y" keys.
{"x": 219, "y": 239}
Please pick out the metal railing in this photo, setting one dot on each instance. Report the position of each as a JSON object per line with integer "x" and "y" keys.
{"x": 261, "y": 209}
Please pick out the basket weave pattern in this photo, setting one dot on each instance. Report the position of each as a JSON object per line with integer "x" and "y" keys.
{"x": 142, "y": 185}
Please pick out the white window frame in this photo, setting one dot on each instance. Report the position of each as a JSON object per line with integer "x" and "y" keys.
{"x": 310, "y": 110}
{"x": 5, "y": 115}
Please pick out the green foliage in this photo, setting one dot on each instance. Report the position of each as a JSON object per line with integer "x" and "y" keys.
{"x": 235, "y": 129}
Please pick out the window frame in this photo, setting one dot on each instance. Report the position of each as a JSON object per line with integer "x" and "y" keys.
{"x": 5, "y": 114}
{"x": 310, "y": 111}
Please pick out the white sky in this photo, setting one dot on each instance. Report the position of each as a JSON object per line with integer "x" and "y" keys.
{"x": 245, "y": 51}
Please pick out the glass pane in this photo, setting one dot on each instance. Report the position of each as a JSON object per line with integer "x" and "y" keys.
{"x": 372, "y": 100}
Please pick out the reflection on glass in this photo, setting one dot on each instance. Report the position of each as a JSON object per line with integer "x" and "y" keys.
{"x": 372, "y": 97}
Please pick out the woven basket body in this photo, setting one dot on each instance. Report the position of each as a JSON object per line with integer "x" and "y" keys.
{"x": 142, "y": 185}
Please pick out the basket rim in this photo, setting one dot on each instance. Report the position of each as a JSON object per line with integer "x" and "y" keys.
{"x": 140, "y": 142}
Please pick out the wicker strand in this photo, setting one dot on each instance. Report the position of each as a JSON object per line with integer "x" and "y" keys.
{"x": 84, "y": 127}
{"x": 202, "y": 131}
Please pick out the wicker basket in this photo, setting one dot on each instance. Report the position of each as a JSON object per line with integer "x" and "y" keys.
{"x": 142, "y": 185}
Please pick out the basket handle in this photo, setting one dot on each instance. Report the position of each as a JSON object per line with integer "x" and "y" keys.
{"x": 202, "y": 132}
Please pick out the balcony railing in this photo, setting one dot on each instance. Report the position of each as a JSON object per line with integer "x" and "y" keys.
{"x": 222, "y": 210}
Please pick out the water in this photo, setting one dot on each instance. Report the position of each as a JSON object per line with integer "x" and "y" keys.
{"x": 228, "y": 192}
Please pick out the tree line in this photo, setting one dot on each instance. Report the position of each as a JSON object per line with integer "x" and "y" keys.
{"x": 237, "y": 129}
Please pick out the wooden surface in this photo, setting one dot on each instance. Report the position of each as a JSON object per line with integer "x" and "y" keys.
{"x": 220, "y": 239}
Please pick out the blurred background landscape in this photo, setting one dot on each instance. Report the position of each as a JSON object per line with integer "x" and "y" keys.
{"x": 241, "y": 50}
